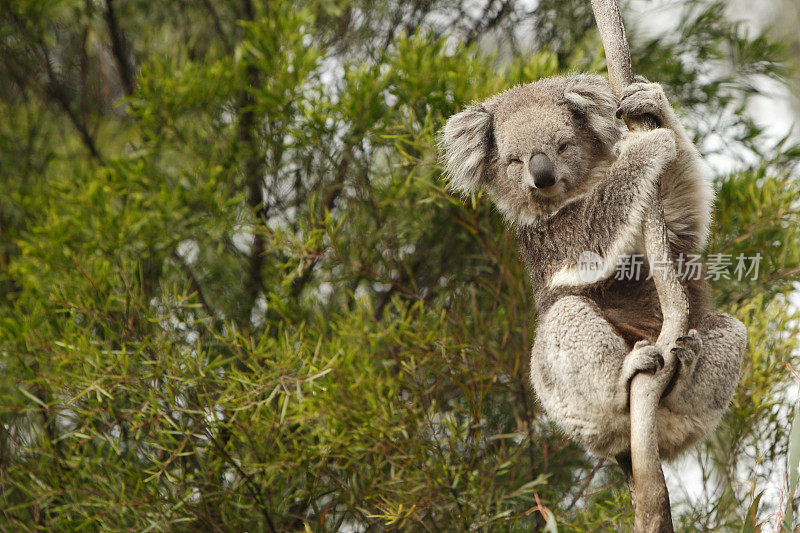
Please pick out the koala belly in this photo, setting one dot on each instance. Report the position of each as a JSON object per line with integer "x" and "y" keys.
{"x": 633, "y": 309}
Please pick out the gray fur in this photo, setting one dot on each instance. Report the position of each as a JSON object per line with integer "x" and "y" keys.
{"x": 467, "y": 141}
{"x": 594, "y": 335}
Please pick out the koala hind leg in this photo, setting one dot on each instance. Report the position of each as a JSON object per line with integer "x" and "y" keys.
{"x": 579, "y": 374}
{"x": 708, "y": 377}
{"x": 710, "y": 359}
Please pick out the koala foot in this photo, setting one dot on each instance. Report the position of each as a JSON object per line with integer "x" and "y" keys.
{"x": 643, "y": 98}
{"x": 644, "y": 357}
{"x": 686, "y": 349}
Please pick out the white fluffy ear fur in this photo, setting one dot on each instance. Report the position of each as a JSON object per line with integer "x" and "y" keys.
{"x": 590, "y": 96}
{"x": 465, "y": 144}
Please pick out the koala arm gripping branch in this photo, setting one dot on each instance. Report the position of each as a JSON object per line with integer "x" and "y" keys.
{"x": 613, "y": 212}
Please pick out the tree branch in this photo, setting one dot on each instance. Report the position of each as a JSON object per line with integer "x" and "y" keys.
{"x": 644, "y": 473}
{"x": 254, "y": 179}
{"x": 226, "y": 41}
{"x": 53, "y": 90}
{"x": 119, "y": 49}
{"x": 487, "y": 22}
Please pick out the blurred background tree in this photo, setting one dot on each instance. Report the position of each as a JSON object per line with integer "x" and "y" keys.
{"x": 235, "y": 296}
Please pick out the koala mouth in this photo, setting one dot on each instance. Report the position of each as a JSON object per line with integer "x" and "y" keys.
{"x": 556, "y": 189}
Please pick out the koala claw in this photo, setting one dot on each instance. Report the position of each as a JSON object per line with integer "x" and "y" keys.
{"x": 686, "y": 349}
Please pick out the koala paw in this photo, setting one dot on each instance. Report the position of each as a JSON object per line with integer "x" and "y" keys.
{"x": 644, "y": 357}
{"x": 686, "y": 349}
{"x": 643, "y": 98}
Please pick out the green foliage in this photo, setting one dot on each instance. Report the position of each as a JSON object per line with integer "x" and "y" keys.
{"x": 236, "y": 295}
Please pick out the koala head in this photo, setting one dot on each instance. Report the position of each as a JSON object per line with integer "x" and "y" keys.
{"x": 535, "y": 146}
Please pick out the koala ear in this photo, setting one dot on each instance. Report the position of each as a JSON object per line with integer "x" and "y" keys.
{"x": 466, "y": 143}
{"x": 589, "y": 96}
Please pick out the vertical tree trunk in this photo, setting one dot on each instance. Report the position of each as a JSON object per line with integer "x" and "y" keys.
{"x": 643, "y": 468}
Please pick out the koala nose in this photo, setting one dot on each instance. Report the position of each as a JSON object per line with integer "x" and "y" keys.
{"x": 542, "y": 170}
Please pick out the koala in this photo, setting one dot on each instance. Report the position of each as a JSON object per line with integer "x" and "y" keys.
{"x": 553, "y": 157}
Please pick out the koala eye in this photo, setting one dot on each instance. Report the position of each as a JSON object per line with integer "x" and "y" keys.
{"x": 514, "y": 160}
{"x": 563, "y": 148}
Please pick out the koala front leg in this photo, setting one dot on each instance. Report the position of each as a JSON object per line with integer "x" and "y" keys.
{"x": 686, "y": 189}
{"x": 612, "y": 212}
{"x": 631, "y": 179}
